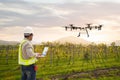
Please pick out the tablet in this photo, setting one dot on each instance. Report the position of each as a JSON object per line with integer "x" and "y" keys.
{"x": 44, "y": 51}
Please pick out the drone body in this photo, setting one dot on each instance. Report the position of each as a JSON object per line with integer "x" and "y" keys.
{"x": 89, "y": 27}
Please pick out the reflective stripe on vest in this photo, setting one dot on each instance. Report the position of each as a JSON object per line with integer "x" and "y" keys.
{"x": 22, "y": 61}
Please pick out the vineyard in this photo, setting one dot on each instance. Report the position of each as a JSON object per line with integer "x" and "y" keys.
{"x": 66, "y": 62}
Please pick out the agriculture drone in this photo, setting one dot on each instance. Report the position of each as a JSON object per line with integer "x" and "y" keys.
{"x": 89, "y": 27}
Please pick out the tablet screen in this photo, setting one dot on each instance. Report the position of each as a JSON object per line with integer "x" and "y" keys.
{"x": 45, "y": 51}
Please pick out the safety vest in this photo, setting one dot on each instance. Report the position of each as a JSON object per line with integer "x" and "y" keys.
{"x": 22, "y": 61}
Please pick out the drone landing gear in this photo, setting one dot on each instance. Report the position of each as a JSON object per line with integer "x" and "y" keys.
{"x": 86, "y": 32}
{"x": 78, "y": 35}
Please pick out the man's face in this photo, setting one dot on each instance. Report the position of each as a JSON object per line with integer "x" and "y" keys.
{"x": 31, "y": 37}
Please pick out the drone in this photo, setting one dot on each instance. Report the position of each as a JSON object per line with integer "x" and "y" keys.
{"x": 89, "y": 27}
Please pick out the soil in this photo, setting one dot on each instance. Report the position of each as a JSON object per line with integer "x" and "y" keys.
{"x": 107, "y": 72}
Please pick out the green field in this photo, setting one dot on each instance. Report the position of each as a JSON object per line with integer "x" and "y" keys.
{"x": 66, "y": 62}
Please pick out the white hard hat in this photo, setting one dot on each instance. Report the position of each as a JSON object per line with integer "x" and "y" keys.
{"x": 28, "y": 30}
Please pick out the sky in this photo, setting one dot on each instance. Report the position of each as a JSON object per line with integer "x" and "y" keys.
{"x": 48, "y": 18}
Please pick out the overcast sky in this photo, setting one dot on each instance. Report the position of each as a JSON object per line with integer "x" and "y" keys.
{"x": 47, "y": 18}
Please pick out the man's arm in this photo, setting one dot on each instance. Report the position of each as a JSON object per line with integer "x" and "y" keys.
{"x": 30, "y": 52}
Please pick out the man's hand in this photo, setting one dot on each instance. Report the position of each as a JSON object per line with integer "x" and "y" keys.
{"x": 38, "y": 55}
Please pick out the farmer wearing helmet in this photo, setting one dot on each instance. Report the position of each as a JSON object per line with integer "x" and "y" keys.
{"x": 27, "y": 58}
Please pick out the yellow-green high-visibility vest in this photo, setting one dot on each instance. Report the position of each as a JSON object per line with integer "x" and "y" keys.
{"x": 22, "y": 61}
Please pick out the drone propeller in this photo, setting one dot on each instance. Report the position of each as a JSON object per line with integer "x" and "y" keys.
{"x": 66, "y": 28}
{"x": 90, "y": 28}
{"x": 88, "y": 25}
{"x": 71, "y": 26}
{"x": 96, "y": 27}
{"x": 100, "y": 26}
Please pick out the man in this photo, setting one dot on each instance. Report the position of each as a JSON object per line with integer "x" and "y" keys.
{"x": 27, "y": 57}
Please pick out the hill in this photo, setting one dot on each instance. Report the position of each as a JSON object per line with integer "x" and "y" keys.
{"x": 73, "y": 40}
{"x": 2, "y": 42}
{"x": 117, "y": 42}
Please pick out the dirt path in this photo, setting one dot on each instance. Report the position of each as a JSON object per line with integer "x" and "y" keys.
{"x": 113, "y": 71}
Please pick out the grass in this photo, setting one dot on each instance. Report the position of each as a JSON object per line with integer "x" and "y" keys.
{"x": 47, "y": 70}
{"x": 65, "y": 63}
{"x": 10, "y": 72}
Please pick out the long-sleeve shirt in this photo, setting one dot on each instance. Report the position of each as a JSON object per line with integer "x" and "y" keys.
{"x": 27, "y": 50}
